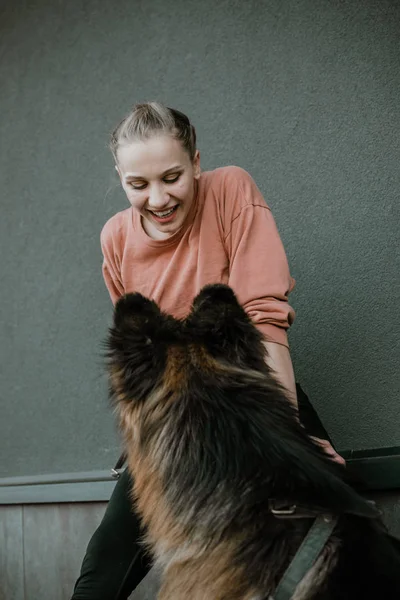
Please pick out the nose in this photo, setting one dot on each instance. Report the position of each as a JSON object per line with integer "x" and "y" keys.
{"x": 158, "y": 198}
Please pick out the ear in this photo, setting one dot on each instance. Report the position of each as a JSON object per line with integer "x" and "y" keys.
{"x": 118, "y": 172}
{"x": 136, "y": 311}
{"x": 196, "y": 165}
{"x": 136, "y": 346}
{"x": 222, "y": 325}
{"x": 125, "y": 187}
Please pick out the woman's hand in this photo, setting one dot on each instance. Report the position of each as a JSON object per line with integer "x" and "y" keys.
{"x": 329, "y": 450}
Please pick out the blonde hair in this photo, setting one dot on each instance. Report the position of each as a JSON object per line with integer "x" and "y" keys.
{"x": 152, "y": 118}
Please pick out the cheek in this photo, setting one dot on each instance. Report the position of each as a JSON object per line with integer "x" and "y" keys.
{"x": 184, "y": 190}
{"x": 137, "y": 201}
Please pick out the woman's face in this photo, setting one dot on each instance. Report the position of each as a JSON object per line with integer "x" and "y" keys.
{"x": 158, "y": 177}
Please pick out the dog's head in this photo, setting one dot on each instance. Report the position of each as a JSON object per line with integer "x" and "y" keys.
{"x": 207, "y": 377}
{"x": 147, "y": 346}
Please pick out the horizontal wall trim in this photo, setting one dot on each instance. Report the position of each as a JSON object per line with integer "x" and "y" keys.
{"x": 55, "y": 478}
{"x": 86, "y": 486}
{"x": 57, "y": 493}
{"x": 378, "y": 468}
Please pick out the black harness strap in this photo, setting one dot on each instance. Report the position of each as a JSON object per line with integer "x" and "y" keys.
{"x": 119, "y": 464}
{"x": 311, "y": 547}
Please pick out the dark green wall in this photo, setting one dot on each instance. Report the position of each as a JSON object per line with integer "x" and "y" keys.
{"x": 304, "y": 94}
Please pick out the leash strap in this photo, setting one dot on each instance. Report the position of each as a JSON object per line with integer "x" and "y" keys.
{"x": 120, "y": 463}
{"x": 307, "y": 554}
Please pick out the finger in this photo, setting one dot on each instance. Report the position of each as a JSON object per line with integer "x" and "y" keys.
{"x": 337, "y": 458}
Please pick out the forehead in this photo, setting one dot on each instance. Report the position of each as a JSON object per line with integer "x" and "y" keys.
{"x": 148, "y": 158}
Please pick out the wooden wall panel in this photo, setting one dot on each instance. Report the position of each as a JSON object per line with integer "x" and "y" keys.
{"x": 55, "y": 540}
{"x": 11, "y": 554}
{"x": 51, "y": 539}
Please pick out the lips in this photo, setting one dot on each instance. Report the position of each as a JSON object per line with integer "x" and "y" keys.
{"x": 164, "y": 213}
{"x": 164, "y": 216}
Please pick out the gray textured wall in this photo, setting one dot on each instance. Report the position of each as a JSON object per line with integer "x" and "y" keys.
{"x": 304, "y": 94}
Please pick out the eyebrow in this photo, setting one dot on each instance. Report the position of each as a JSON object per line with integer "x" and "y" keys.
{"x": 171, "y": 169}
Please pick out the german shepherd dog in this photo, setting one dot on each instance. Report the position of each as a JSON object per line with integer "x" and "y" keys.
{"x": 212, "y": 440}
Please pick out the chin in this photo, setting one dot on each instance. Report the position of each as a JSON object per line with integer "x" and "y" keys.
{"x": 170, "y": 227}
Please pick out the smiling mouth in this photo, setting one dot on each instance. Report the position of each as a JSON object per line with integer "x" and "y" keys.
{"x": 163, "y": 215}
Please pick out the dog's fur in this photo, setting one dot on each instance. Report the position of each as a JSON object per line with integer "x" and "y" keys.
{"x": 211, "y": 438}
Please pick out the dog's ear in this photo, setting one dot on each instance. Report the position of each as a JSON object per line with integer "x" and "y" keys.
{"x": 135, "y": 308}
{"x": 219, "y": 322}
{"x": 137, "y": 346}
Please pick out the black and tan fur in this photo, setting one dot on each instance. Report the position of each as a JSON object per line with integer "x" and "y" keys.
{"x": 211, "y": 439}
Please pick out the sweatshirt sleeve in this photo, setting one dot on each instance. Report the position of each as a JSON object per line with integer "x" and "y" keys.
{"x": 111, "y": 261}
{"x": 259, "y": 271}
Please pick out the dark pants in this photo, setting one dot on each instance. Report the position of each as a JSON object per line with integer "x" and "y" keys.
{"x": 115, "y": 563}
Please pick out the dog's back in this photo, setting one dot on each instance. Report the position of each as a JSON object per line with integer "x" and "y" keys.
{"x": 211, "y": 440}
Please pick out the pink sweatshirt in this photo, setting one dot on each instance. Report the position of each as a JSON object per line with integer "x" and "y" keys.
{"x": 229, "y": 237}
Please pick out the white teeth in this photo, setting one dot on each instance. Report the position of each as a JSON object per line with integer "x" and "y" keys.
{"x": 165, "y": 213}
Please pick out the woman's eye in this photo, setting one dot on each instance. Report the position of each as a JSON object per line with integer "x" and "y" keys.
{"x": 172, "y": 179}
{"x": 142, "y": 186}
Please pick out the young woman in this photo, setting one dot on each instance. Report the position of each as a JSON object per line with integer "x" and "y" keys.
{"x": 184, "y": 229}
